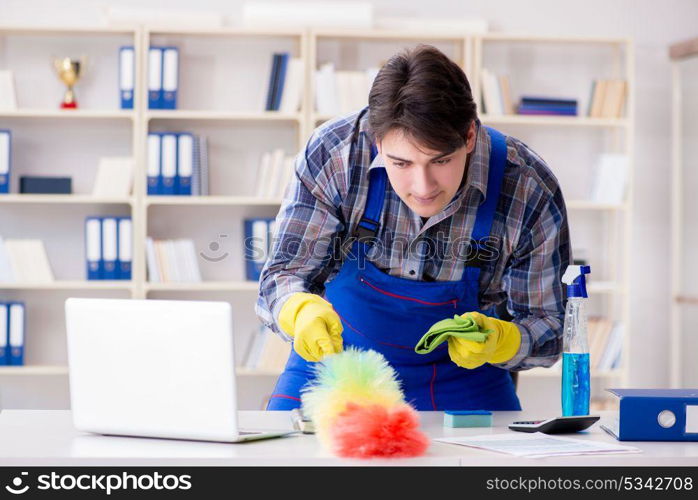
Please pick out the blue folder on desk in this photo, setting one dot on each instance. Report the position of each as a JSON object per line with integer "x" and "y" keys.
{"x": 655, "y": 415}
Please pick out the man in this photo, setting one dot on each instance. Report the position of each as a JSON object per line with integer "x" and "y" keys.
{"x": 407, "y": 213}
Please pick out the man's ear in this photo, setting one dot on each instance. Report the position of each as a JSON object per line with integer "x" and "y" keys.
{"x": 471, "y": 138}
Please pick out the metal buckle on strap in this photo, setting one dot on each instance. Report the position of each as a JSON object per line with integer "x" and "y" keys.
{"x": 365, "y": 234}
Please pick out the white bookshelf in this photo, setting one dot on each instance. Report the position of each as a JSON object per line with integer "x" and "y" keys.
{"x": 216, "y": 99}
{"x": 684, "y": 268}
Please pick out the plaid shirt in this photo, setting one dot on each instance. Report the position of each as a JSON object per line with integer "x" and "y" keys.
{"x": 325, "y": 201}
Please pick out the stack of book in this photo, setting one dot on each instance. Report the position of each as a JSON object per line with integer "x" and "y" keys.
{"x": 267, "y": 352}
{"x": 340, "y": 92}
{"x": 547, "y": 106}
{"x": 177, "y": 164}
{"x": 605, "y": 343}
{"x": 607, "y": 98}
{"x": 172, "y": 261}
{"x": 285, "y": 88}
{"x": 12, "y": 333}
{"x": 274, "y": 174}
{"x": 24, "y": 261}
{"x": 496, "y": 94}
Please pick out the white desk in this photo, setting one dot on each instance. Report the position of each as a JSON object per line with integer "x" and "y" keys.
{"x": 48, "y": 438}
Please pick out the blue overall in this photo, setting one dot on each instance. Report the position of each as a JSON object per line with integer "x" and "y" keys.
{"x": 390, "y": 314}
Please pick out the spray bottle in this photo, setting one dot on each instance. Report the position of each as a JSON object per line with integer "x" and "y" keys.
{"x": 575, "y": 354}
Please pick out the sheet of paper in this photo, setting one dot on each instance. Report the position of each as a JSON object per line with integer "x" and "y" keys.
{"x": 537, "y": 445}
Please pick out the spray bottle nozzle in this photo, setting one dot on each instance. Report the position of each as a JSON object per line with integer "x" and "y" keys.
{"x": 575, "y": 281}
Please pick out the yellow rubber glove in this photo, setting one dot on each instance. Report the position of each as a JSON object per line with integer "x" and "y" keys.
{"x": 501, "y": 345}
{"x": 315, "y": 327}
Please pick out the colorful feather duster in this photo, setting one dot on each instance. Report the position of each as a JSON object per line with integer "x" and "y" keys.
{"x": 358, "y": 409}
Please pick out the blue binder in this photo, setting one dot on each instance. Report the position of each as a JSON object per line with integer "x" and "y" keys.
{"x": 256, "y": 246}
{"x": 154, "y": 165}
{"x": 155, "y": 78}
{"x": 124, "y": 256}
{"x": 655, "y": 415}
{"x": 273, "y": 78}
{"x": 127, "y": 71}
{"x": 168, "y": 163}
{"x": 16, "y": 321}
{"x": 93, "y": 247}
{"x": 280, "y": 80}
{"x": 110, "y": 248}
{"x": 4, "y": 334}
{"x": 5, "y": 160}
{"x": 185, "y": 164}
{"x": 170, "y": 77}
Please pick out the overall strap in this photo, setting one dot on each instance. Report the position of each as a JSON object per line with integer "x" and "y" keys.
{"x": 485, "y": 214}
{"x": 370, "y": 221}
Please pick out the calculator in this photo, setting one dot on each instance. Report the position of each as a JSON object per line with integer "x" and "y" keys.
{"x": 557, "y": 425}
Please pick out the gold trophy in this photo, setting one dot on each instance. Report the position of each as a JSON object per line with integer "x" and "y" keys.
{"x": 69, "y": 71}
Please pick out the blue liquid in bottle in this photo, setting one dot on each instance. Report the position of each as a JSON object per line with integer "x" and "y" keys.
{"x": 575, "y": 383}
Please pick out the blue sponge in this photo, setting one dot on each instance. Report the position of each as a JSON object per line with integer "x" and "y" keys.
{"x": 467, "y": 418}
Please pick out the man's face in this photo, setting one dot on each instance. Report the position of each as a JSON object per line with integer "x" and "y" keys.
{"x": 424, "y": 179}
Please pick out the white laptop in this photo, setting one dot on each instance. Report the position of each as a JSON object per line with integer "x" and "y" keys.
{"x": 154, "y": 368}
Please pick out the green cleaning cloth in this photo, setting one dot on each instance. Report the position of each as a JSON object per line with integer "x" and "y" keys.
{"x": 459, "y": 326}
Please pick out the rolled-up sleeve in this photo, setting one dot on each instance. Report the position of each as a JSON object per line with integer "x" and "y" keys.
{"x": 307, "y": 225}
{"x": 532, "y": 281}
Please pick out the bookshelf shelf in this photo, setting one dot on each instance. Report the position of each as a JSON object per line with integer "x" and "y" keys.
{"x": 68, "y": 199}
{"x": 560, "y": 39}
{"x": 552, "y": 373}
{"x": 260, "y": 116}
{"x": 605, "y": 287}
{"x": 70, "y": 285}
{"x": 207, "y": 286}
{"x": 247, "y": 372}
{"x": 227, "y": 32}
{"x": 592, "y": 205}
{"x": 66, "y": 30}
{"x": 386, "y": 34}
{"x": 76, "y": 114}
{"x": 33, "y": 370}
{"x": 212, "y": 200}
{"x": 554, "y": 121}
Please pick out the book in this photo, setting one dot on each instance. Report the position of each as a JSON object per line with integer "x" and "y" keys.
{"x": 326, "y": 101}
{"x": 29, "y": 261}
{"x": 614, "y": 98}
{"x": 6, "y": 273}
{"x": 114, "y": 177}
{"x": 172, "y": 261}
{"x": 535, "y": 105}
{"x": 610, "y": 180}
{"x": 293, "y": 86}
{"x": 505, "y": 89}
{"x": 491, "y": 93}
{"x": 8, "y": 97}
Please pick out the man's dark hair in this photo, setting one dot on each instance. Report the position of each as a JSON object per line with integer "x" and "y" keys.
{"x": 426, "y": 95}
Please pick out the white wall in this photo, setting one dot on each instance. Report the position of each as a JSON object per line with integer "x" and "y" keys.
{"x": 652, "y": 26}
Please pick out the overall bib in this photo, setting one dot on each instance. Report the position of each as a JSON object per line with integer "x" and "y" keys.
{"x": 390, "y": 314}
